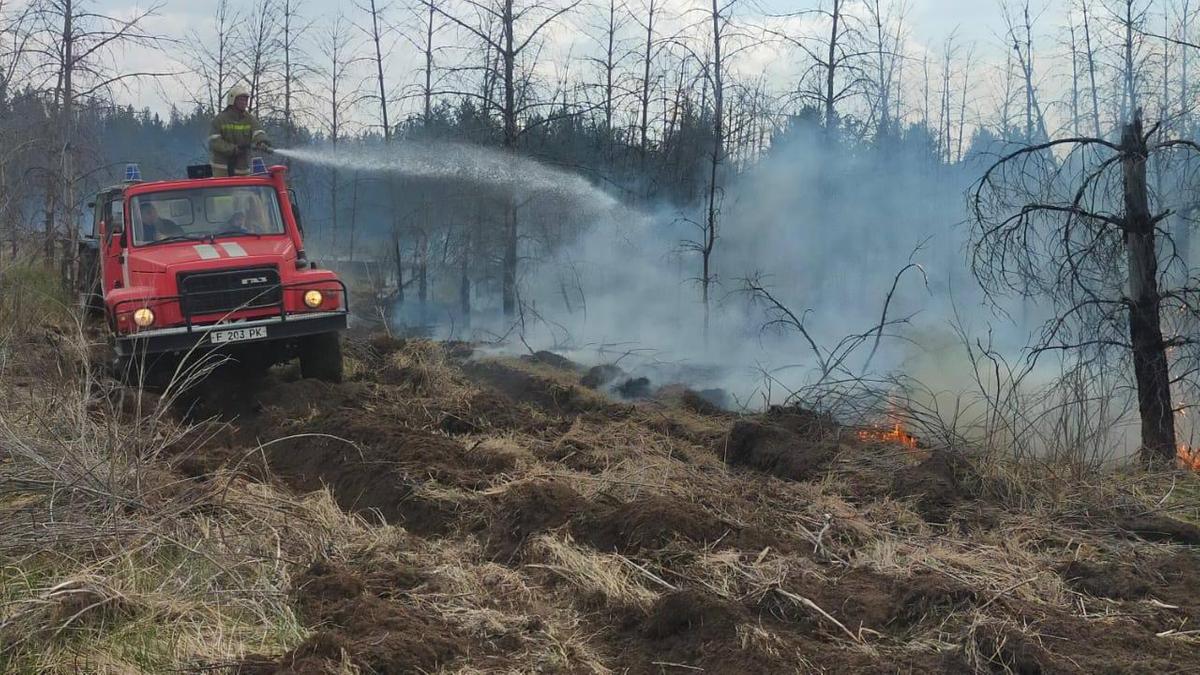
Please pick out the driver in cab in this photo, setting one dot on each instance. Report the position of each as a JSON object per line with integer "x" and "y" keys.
{"x": 250, "y": 217}
{"x": 154, "y": 227}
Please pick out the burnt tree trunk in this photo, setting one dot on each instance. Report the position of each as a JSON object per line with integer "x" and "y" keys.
{"x": 422, "y": 270}
{"x": 1145, "y": 331}
{"x": 510, "y": 144}
{"x": 399, "y": 268}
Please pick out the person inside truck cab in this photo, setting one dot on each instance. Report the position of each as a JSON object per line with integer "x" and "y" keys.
{"x": 234, "y": 132}
{"x": 254, "y": 217}
{"x": 155, "y": 228}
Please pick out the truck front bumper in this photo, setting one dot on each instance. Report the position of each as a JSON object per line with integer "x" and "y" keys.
{"x": 199, "y": 338}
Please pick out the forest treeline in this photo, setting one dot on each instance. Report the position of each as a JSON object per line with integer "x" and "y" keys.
{"x": 657, "y": 102}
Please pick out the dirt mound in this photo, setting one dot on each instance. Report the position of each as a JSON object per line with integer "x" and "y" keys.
{"x": 936, "y": 484}
{"x": 775, "y": 449}
{"x": 598, "y": 376}
{"x": 635, "y": 388}
{"x": 358, "y": 441}
{"x": 857, "y": 598}
{"x": 384, "y": 344}
{"x": 378, "y": 634}
{"x": 807, "y": 423}
{"x": 693, "y": 630}
{"x": 543, "y": 392}
{"x": 489, "y": 410}
{"x": 1007, "y": 649}
{"x": 701, "y": 616}
{"x": 551, "y": 359}
{"x": 705, "y": 401}
{"x": 302, "y": 397}
{"x": 1174, "y": 579}
{"x": 1104, "y": 580}
{"x": 528, "y": 509}
{"x": 928, "y": 597}
{"x": 1160, "y": 528}
{"x": 647, "y": 523}
{"x": 317, "y": 591}
{"x": 371, "y": 466}
{"x": 1051, "y": 641}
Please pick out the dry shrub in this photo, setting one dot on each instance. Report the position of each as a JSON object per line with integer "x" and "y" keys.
{"x": 422, "y": 365}
{"x": 110, "y": 556}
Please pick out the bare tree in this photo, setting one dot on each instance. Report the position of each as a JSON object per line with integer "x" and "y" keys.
{"x": 1185, "y": 85}
{"x": 519, "y": 27}
{"x": 720, "y": 22}
{"x": 716, "y": 58}
{"x": 1019, "y": 34}
{"x": 1081, "y": 230}
{"x": 1126, "y": 26}
{"x": 259, "y": 44}
{"x": 422, "y": 35}
{"x": 1090, "y": 54}
{"x": 611, "y": 54}
{"x": 211, "y": 57}
{"x": 295, "y": 62}
{"x": 421, "y": 32}
{"x": 647, "y": 54}
{"x": 75, "y": 44}
{"x": 886, "y": 34}
{"x": 338, "y": 98}
{"x": 835, "y": 58}
{"x": 383, "y": 40}
{"x": 949, "y": 51}
{"x": 15, "y": 141}
{"x": 1074, "y": 47}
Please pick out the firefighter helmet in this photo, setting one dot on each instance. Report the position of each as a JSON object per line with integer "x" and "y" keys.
{"x": 234, "y": 93}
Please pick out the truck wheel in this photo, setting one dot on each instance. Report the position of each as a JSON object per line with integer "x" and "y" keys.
{"x": 321, "y": 357}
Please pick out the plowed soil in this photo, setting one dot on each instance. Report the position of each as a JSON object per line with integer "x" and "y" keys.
{"x": 543, "y": 526}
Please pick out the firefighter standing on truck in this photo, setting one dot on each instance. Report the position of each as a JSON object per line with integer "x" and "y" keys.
{"x": 234, "y": 132}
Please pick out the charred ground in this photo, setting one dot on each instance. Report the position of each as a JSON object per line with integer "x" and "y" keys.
{"x": 663, "y": 536}
{"x": 497, "y": 514}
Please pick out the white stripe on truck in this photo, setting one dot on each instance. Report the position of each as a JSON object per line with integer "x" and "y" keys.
{"x": 207, "y": 252}
{"x": 234, "y": 249}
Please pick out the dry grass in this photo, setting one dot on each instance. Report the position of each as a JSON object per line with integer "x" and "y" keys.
{"x": 114, "y": 563}
{"x": 111, "y": 562}
{"x": 614, "y": 578}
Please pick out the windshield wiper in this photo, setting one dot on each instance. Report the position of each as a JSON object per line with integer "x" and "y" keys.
{"x": 234, "y": 233}
{"x": 174, "y": 237}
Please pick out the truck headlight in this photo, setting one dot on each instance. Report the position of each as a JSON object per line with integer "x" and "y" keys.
{"x": 143, "y": 317}
{"x": 313, "y": 298}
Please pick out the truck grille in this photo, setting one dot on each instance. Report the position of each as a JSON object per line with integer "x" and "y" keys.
{"x": 228, "y": 290}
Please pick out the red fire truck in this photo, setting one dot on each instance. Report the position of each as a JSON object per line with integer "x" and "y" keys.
{"x": 188, "y": 267}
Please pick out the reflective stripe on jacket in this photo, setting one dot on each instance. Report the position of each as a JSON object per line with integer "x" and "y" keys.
{"x": 229, "y": 130}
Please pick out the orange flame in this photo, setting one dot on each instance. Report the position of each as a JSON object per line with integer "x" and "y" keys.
{"x": 1189, "y": 458}
{"x": 896, "y": 434}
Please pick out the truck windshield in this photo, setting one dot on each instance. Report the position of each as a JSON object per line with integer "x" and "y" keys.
{"x": 205, "y": 213}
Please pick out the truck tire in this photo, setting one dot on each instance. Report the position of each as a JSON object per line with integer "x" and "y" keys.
{"x": 321, "y": 357}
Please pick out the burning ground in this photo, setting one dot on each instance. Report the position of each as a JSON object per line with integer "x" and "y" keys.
{"x": 443, "y": 512}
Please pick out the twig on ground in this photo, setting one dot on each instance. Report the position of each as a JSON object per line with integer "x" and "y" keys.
{"x": 1008, "y": 590}
{"x": 817, "y": 608}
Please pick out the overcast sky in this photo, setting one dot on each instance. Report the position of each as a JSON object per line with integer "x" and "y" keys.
{"x": 930, "y": 21}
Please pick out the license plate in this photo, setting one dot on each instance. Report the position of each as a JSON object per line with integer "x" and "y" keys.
{"x": 219, "y": 337}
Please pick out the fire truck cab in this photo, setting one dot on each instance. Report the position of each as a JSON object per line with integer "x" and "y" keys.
{"x": 189, "y": 267}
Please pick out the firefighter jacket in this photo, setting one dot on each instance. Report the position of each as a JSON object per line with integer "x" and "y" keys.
{"x": 233, "y": 133}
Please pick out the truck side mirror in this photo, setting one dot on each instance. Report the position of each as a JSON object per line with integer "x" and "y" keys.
{"x": 295, "y": 209}
{"x": 117, "y": 224}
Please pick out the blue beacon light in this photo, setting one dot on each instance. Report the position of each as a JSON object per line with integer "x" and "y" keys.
{"x": 133, "y": 173}
{"x": 258, "y": 167}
